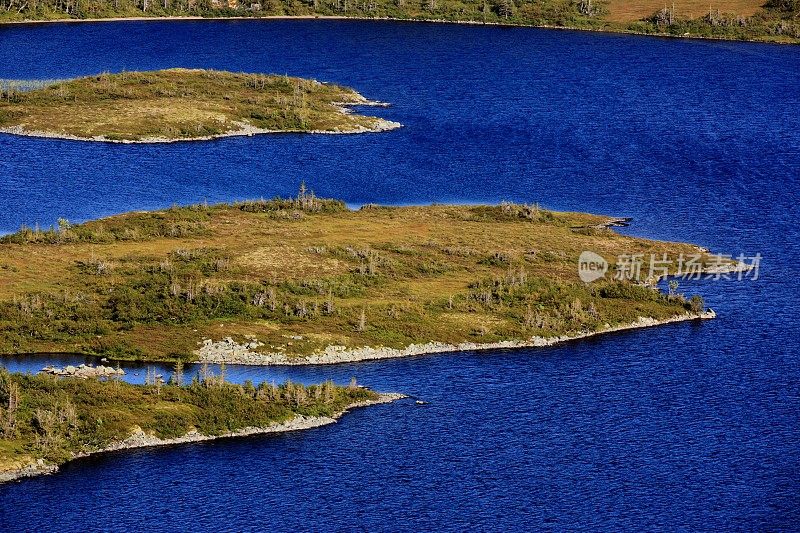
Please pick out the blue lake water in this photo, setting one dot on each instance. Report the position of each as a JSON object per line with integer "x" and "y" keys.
{"x": 683, "y": 427}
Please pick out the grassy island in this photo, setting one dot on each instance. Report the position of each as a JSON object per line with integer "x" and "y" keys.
{"x": 46, "y": 421}
{"x": 182, "y": 104}
{"x": 280, "y": 280}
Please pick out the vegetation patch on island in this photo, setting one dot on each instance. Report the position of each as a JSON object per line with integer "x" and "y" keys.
{"x": 181, "y": 104}
{"x": 46, "y": 421}
{"x": 303, "y": 275}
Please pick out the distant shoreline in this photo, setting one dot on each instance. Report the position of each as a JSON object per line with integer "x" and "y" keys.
{"x": 139, "y": 439}
{"x": 609, "y": 30}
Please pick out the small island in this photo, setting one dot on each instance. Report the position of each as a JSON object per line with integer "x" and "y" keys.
{"x": 183, "y": 105}
{"x": 307, "y": 280}
{"x": 46, "y": 421}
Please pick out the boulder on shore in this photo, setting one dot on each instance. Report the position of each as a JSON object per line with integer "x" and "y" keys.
{"x": 84, "y": 371}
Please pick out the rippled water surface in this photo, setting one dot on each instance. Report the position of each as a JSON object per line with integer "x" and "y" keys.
{"x": 687, "y": 426}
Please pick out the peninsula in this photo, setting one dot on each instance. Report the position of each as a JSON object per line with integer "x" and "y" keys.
{"x": 307, "y": 280}
{"x": 182, "y": 105}
{"x": 46, "y": 421}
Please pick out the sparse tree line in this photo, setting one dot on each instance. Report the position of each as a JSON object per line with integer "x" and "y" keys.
{"x": 778, "y": 18}
{"x": 49, "y": 417}
{"x": 520, "y": 11}
{"x": 176, "y": 222}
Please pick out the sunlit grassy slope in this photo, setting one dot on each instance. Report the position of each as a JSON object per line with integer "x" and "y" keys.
{"x": 154, "y": 285}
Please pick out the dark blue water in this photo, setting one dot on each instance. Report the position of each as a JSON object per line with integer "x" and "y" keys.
{"x": 683, "y": 427}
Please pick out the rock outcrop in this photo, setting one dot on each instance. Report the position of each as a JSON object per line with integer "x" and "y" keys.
{"x": 229, "y": 352}
{"x": 38, "y": 468}
{"x": 84, "y": 371}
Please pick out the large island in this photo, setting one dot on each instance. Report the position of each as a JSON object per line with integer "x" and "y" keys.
{"x": 307, "y": 280}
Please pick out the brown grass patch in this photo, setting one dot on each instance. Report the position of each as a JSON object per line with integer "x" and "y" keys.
{"x": 632, "y": 10}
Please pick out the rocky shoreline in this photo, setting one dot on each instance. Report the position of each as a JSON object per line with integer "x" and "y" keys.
{"x": 39, "y": 468}
{"x": 244, "y": 129}
{"x": 229, "y": 352}
{"x": 140, "y": 439}
{"x": 84, "y": 371}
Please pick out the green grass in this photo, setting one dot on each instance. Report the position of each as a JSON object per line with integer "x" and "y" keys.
{"x": 179, "y": 104}
{"x": 54, "y": 418}
{"x": 134, "y": 287}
